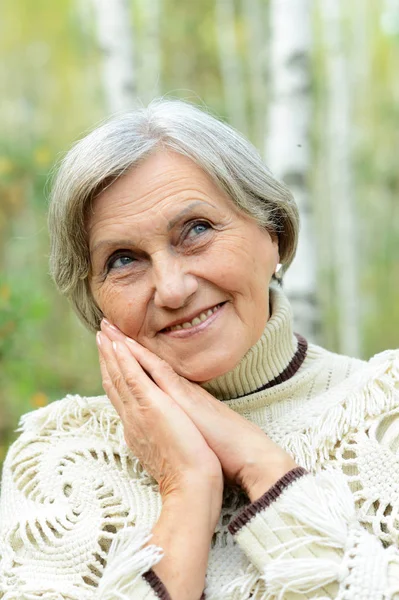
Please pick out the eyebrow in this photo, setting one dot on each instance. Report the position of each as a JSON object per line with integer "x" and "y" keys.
{"x": 186, "y": 210}
{"x": 171, "y": 224}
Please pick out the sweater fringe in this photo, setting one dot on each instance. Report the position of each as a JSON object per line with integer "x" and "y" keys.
{"x": 84, "y": 415}
{"x": 373, "y": 395}
{"x": 128, "y": 559}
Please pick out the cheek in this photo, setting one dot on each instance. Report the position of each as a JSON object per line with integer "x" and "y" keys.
{"x": 242, "y": 270}
{"x": 120, "y": 308}
{"x": 264, "y": 267}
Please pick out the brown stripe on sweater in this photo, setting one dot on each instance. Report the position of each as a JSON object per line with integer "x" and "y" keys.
{"x": 290, "y": 370}
{"x": 158, "y": 587}
{"x": 266, "y": 500}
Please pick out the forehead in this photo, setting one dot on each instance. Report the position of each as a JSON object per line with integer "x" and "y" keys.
{"x": 162, "y": 186}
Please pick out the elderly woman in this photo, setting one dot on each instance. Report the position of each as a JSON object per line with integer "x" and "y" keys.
{"x": 229, "y": 459}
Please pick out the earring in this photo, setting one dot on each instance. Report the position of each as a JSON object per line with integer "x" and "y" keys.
{"x": 278, "y": 274}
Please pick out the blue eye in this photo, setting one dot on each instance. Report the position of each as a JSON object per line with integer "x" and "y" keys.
{"x": 198, "y": 228}
{"x": 116, "y": 262}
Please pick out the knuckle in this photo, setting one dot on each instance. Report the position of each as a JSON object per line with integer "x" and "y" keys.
{"x": 140, "y": 397}
{"x": 118, "y": 382}
{"x": 131, "y": 382}
{"x": 107, "y": 384}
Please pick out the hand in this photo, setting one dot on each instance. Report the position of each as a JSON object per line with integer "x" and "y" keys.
{"x": 248, "y": 456}
{"x": 158, "y": 431}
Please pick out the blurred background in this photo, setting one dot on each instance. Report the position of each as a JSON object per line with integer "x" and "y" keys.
{"x": 314, "y": 85}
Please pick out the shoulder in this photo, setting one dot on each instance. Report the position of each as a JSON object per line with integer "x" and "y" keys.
{"x": 388, "y": 359}
{"x": 75, "y": 426}
{"x": 350, "y": 396}
{"x": 83, "y": 435}
{"x": 351, "y": 369}
{"x": 366, "y": 395}
{"x": 71, "y": 421}
{"x": 62, "y": 424}
{"x": 380, "y": 376}
{"x": 73, "y": 414}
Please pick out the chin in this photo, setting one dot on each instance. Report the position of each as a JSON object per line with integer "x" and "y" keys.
{"x": 205, "y": 372}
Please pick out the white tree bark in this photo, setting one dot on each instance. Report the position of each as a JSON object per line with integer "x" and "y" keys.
{"x": 339, "y": 184}
{"x": 287, "y": 144}
{"x": 115, "y": 38}
{"x": 150, "y": 50}
{"x": 230, "y": 65}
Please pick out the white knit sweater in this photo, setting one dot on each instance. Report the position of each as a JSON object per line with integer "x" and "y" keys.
{"x": 77, "y": 507}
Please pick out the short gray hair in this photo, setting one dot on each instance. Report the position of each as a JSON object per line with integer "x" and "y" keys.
{"x": 125, "y": 141}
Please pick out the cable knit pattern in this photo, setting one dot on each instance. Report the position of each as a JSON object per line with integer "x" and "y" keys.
{"x": 77, "y": 508}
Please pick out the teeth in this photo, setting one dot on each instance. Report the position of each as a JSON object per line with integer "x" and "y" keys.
{"x": 196, "y": 321}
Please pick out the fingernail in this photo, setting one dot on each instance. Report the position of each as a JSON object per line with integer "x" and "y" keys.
{"x": 114, "y": 346}
{"x": 98, "y": 338}
{"x": 130, "y": 341}
{"x": 108, "y": 324}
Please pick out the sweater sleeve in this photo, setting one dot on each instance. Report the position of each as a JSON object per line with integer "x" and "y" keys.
{"x": 67, "y": 531}
{"x": 304, "y": 538}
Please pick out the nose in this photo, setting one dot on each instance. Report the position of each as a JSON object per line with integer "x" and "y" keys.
{"x": 173, "y": 285}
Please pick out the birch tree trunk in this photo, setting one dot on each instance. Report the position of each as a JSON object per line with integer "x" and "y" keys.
{"x": 150, "y": 50}
{"x": 230, "y": 65}
{"x": 287, "y": 145}
{"x": 339, "y": 184}
{"x": 115, "y": 38}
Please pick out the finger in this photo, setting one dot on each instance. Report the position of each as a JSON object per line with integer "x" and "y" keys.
{"x": 107, "y": 384}
{"x": 115, "y": 335}
{"x": 111, "y": 331}
{"x": 137, "y": 382}
{"x": 159, "y": 370}
{"x": 114, "y": 371}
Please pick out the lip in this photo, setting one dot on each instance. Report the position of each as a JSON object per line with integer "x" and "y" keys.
{"x": 188, "y": 317}
{"x": 182, "y": 333}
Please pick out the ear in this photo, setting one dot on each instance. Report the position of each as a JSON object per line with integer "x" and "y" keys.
{"x": 276, "y": 275}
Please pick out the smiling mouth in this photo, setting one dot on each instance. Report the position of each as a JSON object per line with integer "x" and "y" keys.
{"x": 196, "y": 321}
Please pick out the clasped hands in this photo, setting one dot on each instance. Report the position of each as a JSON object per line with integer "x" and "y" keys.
{"x": 180, "y": 432}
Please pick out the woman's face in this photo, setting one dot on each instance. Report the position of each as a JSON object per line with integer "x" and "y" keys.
{"x": 177, "y": 267}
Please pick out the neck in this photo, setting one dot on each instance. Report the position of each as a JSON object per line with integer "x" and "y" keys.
{"x": 275, "y": 357}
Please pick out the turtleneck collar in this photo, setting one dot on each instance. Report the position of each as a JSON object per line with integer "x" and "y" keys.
{"x": 275, "y": 357}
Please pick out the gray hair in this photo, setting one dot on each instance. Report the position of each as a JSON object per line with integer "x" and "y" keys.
{"x": 125, "y": 141}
